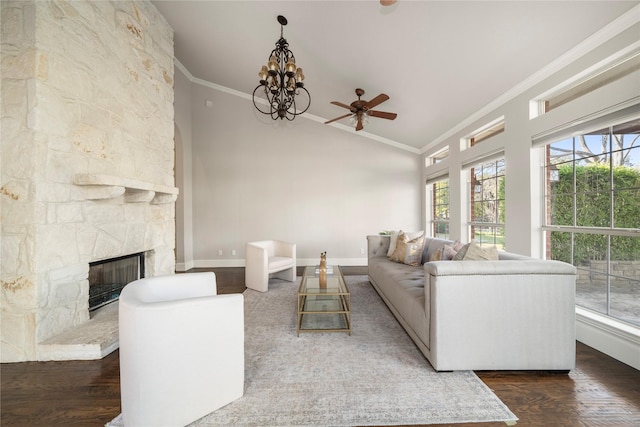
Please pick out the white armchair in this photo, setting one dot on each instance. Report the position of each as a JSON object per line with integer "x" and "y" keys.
{"x": 267, "y": 258}
{"x": 181, "y": 349}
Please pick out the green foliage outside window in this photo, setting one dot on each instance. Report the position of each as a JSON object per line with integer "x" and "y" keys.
{"x": 593, "y": 206}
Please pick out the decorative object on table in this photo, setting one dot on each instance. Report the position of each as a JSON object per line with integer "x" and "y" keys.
{"x": 281, "y": 86}
{"x": 323, "y": 269}
{"x": 362, "y": 110}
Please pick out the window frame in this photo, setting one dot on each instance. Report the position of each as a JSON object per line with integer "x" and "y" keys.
{"x": 434, "y": 221}
{"x": 580, "y": 230}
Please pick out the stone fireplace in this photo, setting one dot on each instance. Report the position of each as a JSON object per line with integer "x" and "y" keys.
{"x": 87, "y": 161}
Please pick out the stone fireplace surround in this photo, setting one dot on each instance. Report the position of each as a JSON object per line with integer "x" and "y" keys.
{"x": 108, "y": 198}
{"x": 87, "y": 165}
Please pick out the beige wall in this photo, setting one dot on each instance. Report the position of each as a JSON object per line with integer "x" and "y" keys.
{"x": 301, "y": 181}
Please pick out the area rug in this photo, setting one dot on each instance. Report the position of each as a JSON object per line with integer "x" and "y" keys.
{"x": 376, "y": 376}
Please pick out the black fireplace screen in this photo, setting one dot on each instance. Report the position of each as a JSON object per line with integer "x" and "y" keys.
{"x": 108, "y": 277}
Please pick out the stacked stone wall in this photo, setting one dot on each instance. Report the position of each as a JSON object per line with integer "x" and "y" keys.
{"x": 623, "y": 273}
{"x": 87, "y": 89}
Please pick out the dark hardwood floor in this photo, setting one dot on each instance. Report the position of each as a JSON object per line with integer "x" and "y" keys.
{"x": 599, "y": 392}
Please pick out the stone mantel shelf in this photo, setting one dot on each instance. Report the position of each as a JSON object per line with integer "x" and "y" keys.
{"x": 103, "y": 186}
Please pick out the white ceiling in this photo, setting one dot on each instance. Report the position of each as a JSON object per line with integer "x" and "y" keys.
{"x": 439, "y": 61}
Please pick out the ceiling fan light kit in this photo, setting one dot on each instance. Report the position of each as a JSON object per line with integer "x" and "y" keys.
{"x": 360, "y": 110}
{"x": 281, "y": 83}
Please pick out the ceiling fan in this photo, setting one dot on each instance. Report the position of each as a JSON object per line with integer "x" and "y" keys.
{"x": 360, "y": 110}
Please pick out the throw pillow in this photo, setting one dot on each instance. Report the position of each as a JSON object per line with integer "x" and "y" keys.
{"x": 477, "y": 253}
{"x": 436, "y": 255}
{"x": 449, "y": 251}
{"x": 459, "y": 256}
{"x": 394, "y": 239}
{"x": 408, "y": 250}
{"x": 392, "y": 243}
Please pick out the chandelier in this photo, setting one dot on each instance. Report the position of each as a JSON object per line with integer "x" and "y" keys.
{"x": 281, "y": 83}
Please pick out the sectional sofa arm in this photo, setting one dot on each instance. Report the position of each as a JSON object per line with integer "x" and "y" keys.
{"x": 377, "y": 245}
{"x": 502, "y": 267}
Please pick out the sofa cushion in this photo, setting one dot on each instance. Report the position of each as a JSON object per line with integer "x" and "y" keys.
{"x": 393, "y": 241}
{"x": 431, "y": 245}
{"x": 450, "y": 250}
{"x": 437, "y": 255}
{"x": 408, "y": 249}
{"x": 403, "y": 287}
{"x": 474, "y": 252}
{"x": 445, "y": 252}
{"x": 277, "y": 263}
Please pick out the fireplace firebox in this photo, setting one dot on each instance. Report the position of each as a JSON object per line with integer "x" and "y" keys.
{"x": 108, "y": 277}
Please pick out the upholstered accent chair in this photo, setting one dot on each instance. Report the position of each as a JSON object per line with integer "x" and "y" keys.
{"x": 181, "y": 349}
{"x": 269, "y": 258}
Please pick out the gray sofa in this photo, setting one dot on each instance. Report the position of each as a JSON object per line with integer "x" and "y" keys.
{"x": 517, "y": 313}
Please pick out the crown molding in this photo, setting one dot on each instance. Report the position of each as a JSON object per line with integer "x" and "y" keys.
{"x": 307, "y": 116}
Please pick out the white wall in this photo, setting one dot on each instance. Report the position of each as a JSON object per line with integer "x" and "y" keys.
{"x": 301, "y": 181}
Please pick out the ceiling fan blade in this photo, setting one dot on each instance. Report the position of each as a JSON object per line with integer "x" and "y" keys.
{"x": 377, "y": 100}
{"x": 359, "y": 125}
{"x": 382, "y": 114}
{"x": 337, "y": 118}
{"x": 340, "y": 104}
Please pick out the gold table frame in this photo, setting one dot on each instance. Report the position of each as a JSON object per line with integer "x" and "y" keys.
{"x": 324, "y": 308}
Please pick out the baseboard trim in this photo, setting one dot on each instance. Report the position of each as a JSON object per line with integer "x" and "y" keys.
{"x": 184, "y": 266}
{"x": 218, "y": 263}
{"x": 615, "y": 339}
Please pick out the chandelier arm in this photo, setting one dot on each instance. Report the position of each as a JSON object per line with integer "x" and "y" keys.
{"x": 255, "y": 104}
{"x": 308, "y": 103}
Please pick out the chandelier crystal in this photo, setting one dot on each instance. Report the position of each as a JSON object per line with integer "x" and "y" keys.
{"x": 281, "y": 87}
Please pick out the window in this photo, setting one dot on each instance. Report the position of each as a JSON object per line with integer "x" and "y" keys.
{"x": 592, "y": 217}
{"x": 437, "y": 157}
{"x": 485, "y": 132}
{"x": 439, "y": 208}
{"x": 618, "y": 66}
{"x": 487, "y": 207}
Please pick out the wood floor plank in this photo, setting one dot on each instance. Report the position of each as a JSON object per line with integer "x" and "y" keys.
{"x": 601, "y": 391}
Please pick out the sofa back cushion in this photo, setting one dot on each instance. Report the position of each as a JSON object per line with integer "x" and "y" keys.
{"x": 409, "y": 249}
{"x": 431, "y": 245}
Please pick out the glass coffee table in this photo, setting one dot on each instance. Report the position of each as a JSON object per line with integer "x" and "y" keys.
{"x": 324, "y": 309}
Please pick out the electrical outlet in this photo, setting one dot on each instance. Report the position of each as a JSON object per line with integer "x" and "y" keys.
{"x": 361, "y": 251}
{"x": 220, "y": 252}
{"x": 233, "y": 252}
